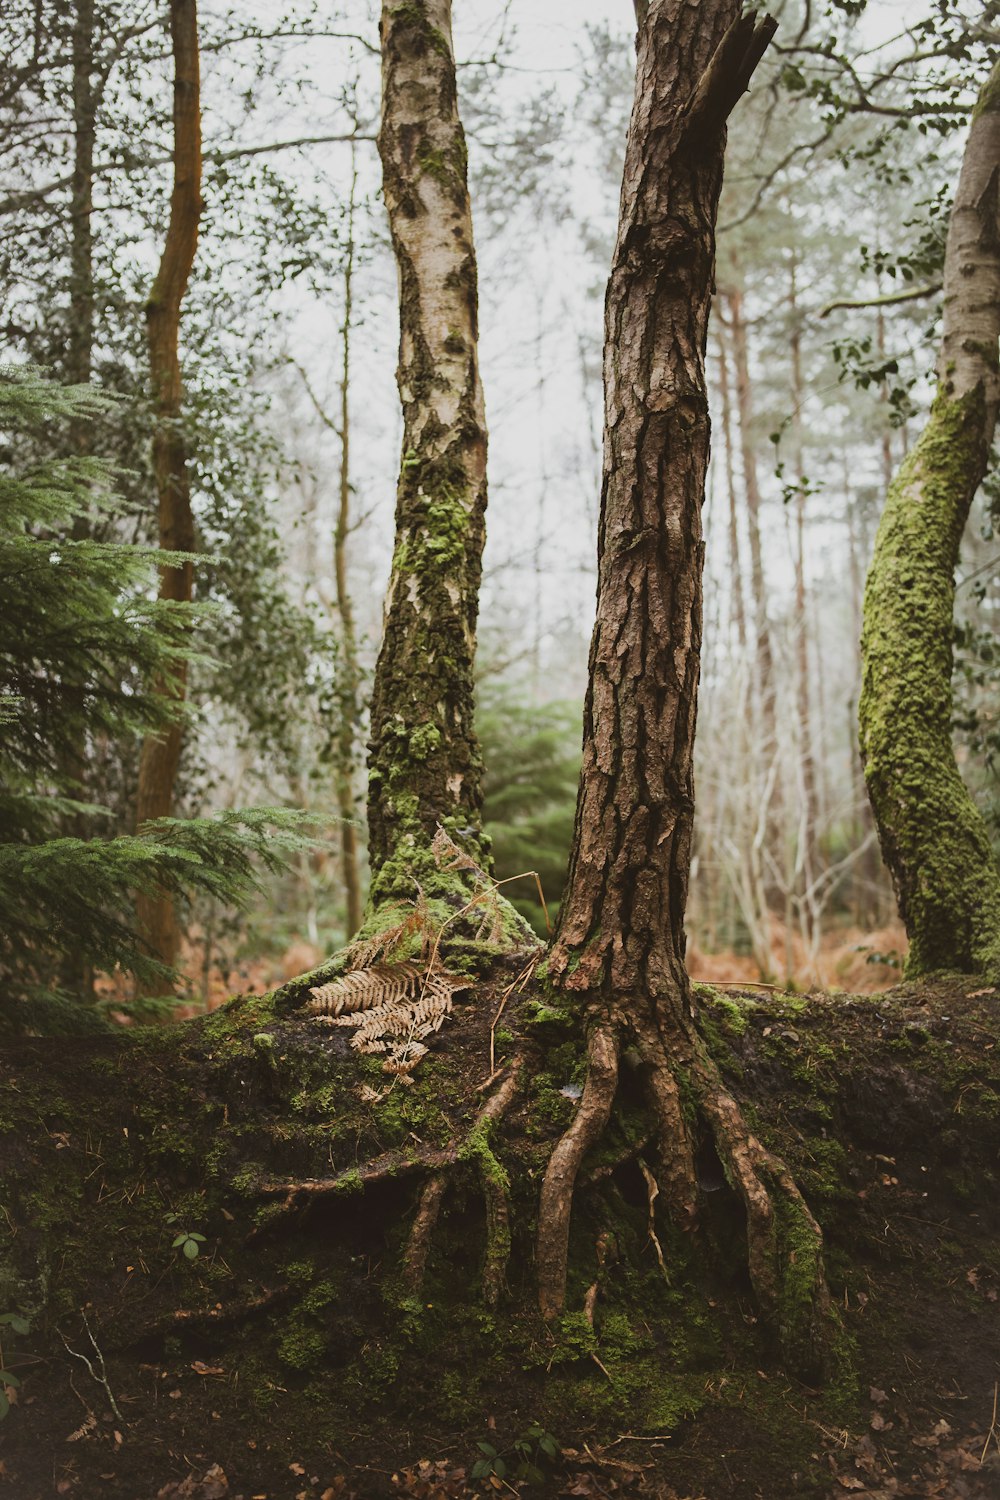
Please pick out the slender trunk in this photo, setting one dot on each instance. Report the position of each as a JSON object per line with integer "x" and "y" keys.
{"x": 78, "y": 976}
{"x": 161, "y": 753}
{"x": 934, "y": 840}
{"x": 735, "y": 561}
{"x": 80, "y": 343}
{"x": 808, "y": 853}
{"x": 350, "y": 671}
{"x": 424, "y": 758}
{"x": 758, "y": 584}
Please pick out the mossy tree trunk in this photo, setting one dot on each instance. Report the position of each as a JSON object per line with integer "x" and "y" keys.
{"x": 934, "y": 840}
{"x": 619, "y": 948}
{"x": 425, "y": 765}
{"x": 161, "y": 753}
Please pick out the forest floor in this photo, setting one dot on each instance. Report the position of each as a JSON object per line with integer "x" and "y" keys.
{"x": 279, "y": 1361}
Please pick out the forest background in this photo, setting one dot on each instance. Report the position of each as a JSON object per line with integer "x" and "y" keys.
{"x": 835, "y": 198}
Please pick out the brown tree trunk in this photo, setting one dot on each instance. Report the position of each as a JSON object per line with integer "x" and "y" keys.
{"x": 161, "y": 753}
{"x": 425, "y": 764}
{"x": 619, "y": 948}
{"x": 934, "y": 840}
{"x": 349, "y": 670}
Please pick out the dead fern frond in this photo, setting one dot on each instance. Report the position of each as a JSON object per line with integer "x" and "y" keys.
{"x": 448, "y": 855}
{"x": 391, "y": 1007}
{"x": 363, "y": 989}
{"x": 417, "y": 920}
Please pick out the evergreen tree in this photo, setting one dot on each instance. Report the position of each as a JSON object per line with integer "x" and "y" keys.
{"x": 81, "y": 635}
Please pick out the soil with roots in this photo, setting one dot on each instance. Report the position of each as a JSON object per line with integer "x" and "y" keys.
{"x": 251, "y": 1263}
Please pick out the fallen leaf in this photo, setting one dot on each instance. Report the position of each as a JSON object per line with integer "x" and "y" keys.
{"x": 200, "y": 1368}
{"x": 296, "y": 1469}
{"x": 877, "y": 1396}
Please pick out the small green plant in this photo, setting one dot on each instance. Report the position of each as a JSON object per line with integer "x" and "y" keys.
{"x": 187, "y": 1240}
{"x": 529, "y": 1453}
{"x": 18, "y": 1325}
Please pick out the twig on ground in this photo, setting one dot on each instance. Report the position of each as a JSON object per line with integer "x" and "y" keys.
{"x": 102, "y": 1378}
{"x": 993, "y": 1427}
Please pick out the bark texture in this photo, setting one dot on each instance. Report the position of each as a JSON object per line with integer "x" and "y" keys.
{"x": 425, "y": 765}
{"x": 933, "y": 838}
{"x": 161, "y": 753}
{"x": 619, "y": 948}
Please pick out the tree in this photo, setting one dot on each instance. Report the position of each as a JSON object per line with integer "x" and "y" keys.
{"x": 618, "y": 953}
{"x": 81, "y": 641}
{"x": 933, "y": 838}
{"x": 425, "y": 763}
{"x": 161, "y": 752}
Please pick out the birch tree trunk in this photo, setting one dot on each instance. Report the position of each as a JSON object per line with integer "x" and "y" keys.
{"x": 424, "y": 759}
{"x": 933, "y": 838}
{"x": 161, "y": 753}
{"x": 619, "y": 948}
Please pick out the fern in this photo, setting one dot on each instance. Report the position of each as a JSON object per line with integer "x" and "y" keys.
{"x": 392, "y": 1007}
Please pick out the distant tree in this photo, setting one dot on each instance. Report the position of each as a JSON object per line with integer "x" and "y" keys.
{"x": 161, "y": 752}
{"x": 934, "y": 840}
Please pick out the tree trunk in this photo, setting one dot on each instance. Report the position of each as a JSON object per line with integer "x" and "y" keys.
{"x": 934, "y": 840}
{"x": 619, "y": 948}
{"x": 424, "y": 759}
{"x": 350, "y": 673}
{"x": 758, "y": 584}
{"x": 808, "y": 854}
{"x": 161, "y": 753}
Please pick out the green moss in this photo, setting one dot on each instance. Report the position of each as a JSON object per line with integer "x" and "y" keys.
{"x": 933, "y": 837}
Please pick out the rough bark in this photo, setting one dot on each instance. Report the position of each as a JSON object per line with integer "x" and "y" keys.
{"x": 933, "y": 838}
{"x": 425, "y": 765}
{"x": 350, "y": 672}
{"x": 619, "y": 947}
{"x": 161, "y": 753}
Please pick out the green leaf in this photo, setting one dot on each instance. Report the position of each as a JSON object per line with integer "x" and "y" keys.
{"x": 180, "y": 1240}
{"x": 199, "y": 1237}
{"x": 481, "y": 1468}
{"x": 16, "y": 1323}
{"x": 548, "y": 1445}
{"x": 6, "y": 1378}
{"x": 191, "y": 1249}
{"x": 487, "y": 1448}
{"x": 499, "y": 1467}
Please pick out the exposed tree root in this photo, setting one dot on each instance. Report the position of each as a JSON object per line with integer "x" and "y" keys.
{"x": 495, "y": 1185}
{"x": 424, "y": 1223}
{"x": 784, "y": 1241}
{"x": 559, "y": 1182}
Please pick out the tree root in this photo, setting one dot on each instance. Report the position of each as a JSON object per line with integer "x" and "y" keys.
{"x": 424, "y": 1223}
{"x": 784, "y": 1241}
{"x": 559, "y": 1182}
{"x": 494, "y": 1182}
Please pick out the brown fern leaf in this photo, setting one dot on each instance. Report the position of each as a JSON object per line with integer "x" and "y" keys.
{"x": 363, "y": 989}
{"x": 417, "y": 919}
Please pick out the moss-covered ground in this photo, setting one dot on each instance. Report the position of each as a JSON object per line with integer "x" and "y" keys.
{"x": 287, "y": 1353}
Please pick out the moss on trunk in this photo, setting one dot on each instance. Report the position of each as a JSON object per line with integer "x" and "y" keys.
{"x": 934, "y": 839}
